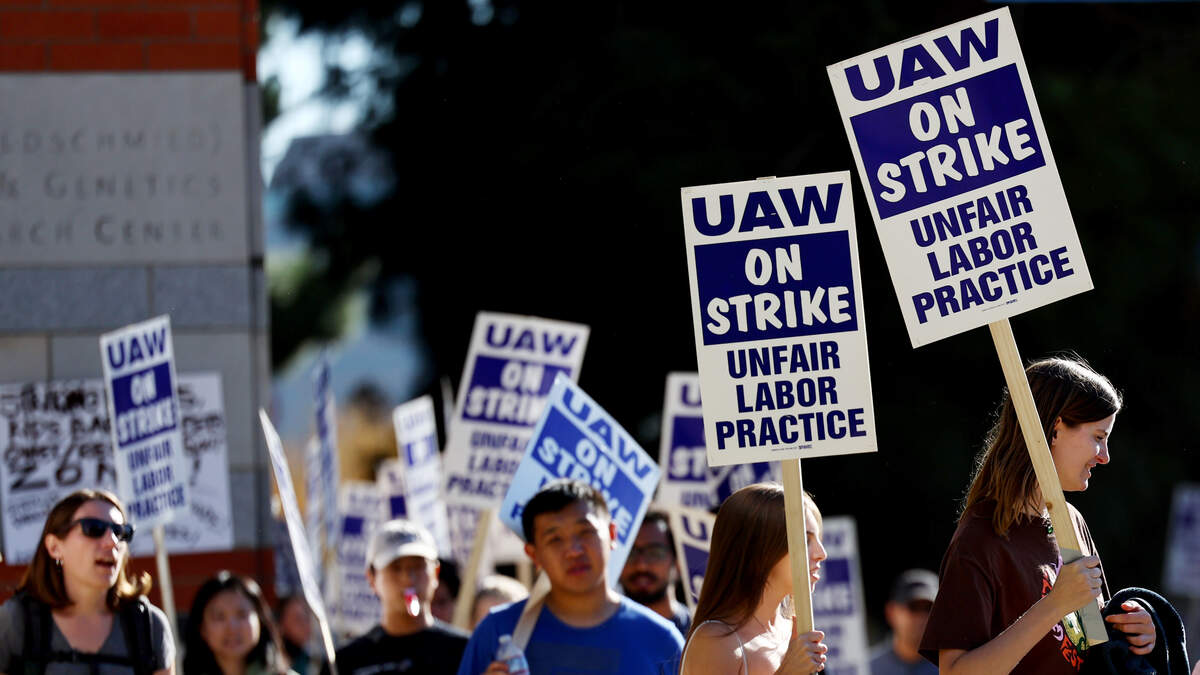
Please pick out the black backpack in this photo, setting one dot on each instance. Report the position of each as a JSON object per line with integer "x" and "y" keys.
{"x": 1170, "y": 650}
{"x": 36, "y": 653}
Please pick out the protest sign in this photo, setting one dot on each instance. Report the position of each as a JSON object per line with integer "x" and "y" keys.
{"x": 389, "y": 479}
{"x": 968, "y": 204}
{"x": 780, "y": 333}
{"x": 576, "y": 438}
{"x": 357, "y": 609}
{"x": 1182, "y": 573}
{"x": 778, "y": 317}
{"x": 147, "y": 436}
{"x": 958, "y": 172}
{"x": 54, "y": 438}
{"x": 838, "y": 606}
{"x": 729, "y": 479}
{"x": 326, "y": 460}
{"x": 295, "y": 530}
{"x": 421, "y": 467}
{"x": 681, "y": 453}
{"x": 692, "y": 529}
{"x": 511, "y": 364}
{"x": 314, "y": 504}
{"x": 687, "y": 480}
{"x": 287, "y": 579}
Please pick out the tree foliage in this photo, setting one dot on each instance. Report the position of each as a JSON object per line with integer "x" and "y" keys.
{"x": 538, "y": 157}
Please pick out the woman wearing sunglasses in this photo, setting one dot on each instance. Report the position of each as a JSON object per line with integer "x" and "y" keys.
{"x": 76, "y": 611}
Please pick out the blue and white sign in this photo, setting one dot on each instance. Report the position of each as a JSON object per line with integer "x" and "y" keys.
{"x": 692, "y": 529}
{"x": 576, "y": 438}
{"x": 139, "y": 377}
{"x": 314, "y": 509}
{"x": 511, "y": 366}
{"x": 960, "y": 178}
{"x": 687, "y": 479}
{"x": 389, "y": 478}
{"x": 681, "y": 453}
{"x": 327, "y": 453}
{"x": 421, "y": 468}
{"x": 837, "y": 600}
{"x": 295, "y": 530}
{"x": 727, "y": 480}
{"x": 778, "y": 316}
{"x": 1182, "y": 575}
{"x": 357, "y": 609}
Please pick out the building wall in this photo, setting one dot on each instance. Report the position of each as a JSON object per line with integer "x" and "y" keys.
{"x": 52, "y": 311}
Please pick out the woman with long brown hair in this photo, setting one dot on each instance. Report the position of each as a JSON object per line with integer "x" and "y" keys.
{"x": 1007, "y": 603}
{"x": 76, "y": 609}
{"x": 742, "y": 624}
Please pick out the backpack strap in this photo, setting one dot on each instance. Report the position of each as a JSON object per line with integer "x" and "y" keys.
{"x": 139, "y": 644}
{"x": 35, "y": 651}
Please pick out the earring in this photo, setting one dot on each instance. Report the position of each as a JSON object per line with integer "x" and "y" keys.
{"x": 58, "y": 561}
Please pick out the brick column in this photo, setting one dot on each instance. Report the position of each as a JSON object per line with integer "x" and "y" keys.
{"x": 52, "y": 310}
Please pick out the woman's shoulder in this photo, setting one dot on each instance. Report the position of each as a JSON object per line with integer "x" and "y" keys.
{"x": 975, "y": 526}
{"x": 714, "y": 647}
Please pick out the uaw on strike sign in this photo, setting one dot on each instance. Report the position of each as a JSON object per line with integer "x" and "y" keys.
{"x": 959, "y": 175}
{"x": 778, "y": 314}
{"x": 139, "y": 372}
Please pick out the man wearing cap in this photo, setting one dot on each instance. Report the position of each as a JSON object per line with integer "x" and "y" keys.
{"x": 402, "y": 569}
{"x": 906, "y": 612}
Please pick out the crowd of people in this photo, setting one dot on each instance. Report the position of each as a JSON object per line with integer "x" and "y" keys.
{"x": 1004, "y": 600}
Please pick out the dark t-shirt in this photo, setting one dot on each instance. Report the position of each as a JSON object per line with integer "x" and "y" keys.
{"x": 432, "y": 651}
{"x": 988, "y": 582}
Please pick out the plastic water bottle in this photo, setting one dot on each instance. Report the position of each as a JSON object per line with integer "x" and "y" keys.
{"x": 512, "y": 656}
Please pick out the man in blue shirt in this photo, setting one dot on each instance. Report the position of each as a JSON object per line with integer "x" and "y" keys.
{"x": 584, "y": 627}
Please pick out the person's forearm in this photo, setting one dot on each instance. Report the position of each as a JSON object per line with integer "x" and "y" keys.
{"x": 1002, "y": 653}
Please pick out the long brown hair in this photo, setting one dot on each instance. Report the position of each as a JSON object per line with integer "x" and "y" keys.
{"x": 748, "y": 539}
{"x": 43, "y": 579}
{"x": 1065, "y": 388}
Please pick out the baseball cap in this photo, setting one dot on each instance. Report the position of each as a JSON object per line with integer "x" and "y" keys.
{"x": 397, "y": 539}
{"x": 915, "y": 584}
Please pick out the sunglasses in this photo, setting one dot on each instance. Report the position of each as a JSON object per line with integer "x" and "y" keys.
{"x": 94, "y": 528}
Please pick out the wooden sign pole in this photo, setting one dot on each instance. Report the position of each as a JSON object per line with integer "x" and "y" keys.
{"x": 793, "y": 500}
{"x": 1043, "y": 466}
{"x": 525, "y": 572}
{"x": 166, "y": 588}
{"x": 470, "y": 577}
